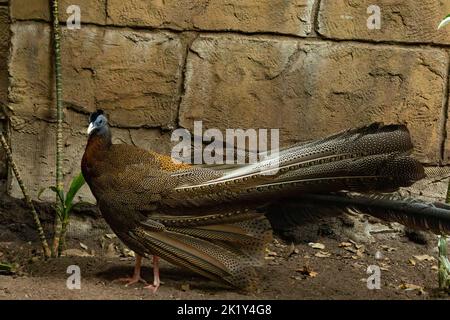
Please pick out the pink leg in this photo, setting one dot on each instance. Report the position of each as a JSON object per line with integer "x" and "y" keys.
{"x": 136, "y": 275}
{"x": 156, "y": 282}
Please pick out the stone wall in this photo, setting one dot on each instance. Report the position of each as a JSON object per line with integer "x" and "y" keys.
{"x": 308, "y": 67}
{"x": 4, "y": 53}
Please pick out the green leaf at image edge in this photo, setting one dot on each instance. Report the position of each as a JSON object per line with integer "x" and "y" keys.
{"x": 444, "y": 21}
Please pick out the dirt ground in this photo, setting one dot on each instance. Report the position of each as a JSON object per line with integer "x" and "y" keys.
{"x": 332, "y": 268}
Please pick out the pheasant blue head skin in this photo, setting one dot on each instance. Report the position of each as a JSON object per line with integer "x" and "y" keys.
{"x": 97, "y": 122}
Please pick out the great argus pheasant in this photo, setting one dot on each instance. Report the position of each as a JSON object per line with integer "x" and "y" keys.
{"x": 211, "y": 220}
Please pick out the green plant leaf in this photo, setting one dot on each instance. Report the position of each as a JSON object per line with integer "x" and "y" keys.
{"x": 75, "y": 186}
{"x": 444, "y": 21}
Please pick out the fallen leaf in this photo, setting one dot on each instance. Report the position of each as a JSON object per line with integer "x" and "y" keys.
{"x": 424, "y": 257}
{"x": 360, "y": 251}
{"x": 82, "y": 245}
{"x": 128, "y": 253}
{"x": 408, "y": 286}
{"x": 322, "y": 254}
{"x": 412, "y": 262}
{"x": 411, "y": 287}
{"x": 434, "y": 267}
{"x": 384, "y": 266}
{"x": 345, "y": 244}
{"x": 75, "y": 253}
{"x": 388, "y": 249}
{"x": 316, "y": 245}
{"x": 270, "y": 253}
{"x": 350, "y": 249}
{"x": 110, "y": 235}
{"x": 306, "y": 271}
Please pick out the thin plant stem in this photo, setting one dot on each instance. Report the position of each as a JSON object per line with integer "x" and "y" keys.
{"x": 37, "y": 221}
{"x": 62, "y": 240}
{"x": 59, "y": 119}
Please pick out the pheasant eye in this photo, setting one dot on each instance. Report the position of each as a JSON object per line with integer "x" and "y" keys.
{"x": 101, "y": 121}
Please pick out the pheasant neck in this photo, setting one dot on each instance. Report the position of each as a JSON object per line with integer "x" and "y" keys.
{"x": 100, "y": 140}
{"x": 98, "y": 143}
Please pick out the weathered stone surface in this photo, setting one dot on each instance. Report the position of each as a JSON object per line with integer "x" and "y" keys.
{"x": 92, "y": 11}
{"x": 135, "y": 73}
{"x": 405, "y": 21}
{"x": 311, "y": 89}
{"x": 287, "y": 17}
{"x": 25, "y": 9}
{"x": 33, "y": 145}
{"x": 4, "y": 53}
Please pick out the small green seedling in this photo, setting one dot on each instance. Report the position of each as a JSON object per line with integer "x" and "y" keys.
{"x": 64, "y": 208}
{"x": 66, "y": 201}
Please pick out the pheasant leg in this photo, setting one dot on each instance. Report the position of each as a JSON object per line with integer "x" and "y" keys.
{"x": 156, "y": 282}
{"x": 136, "y": 275}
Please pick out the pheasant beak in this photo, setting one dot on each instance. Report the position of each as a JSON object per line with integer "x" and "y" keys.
{"x": 90, "y": 128}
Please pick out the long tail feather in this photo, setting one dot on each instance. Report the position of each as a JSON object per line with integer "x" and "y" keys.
{"x": 412, "y": 213}
{"x": 371, "y": 158}
{"x": 225, "y": 252}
